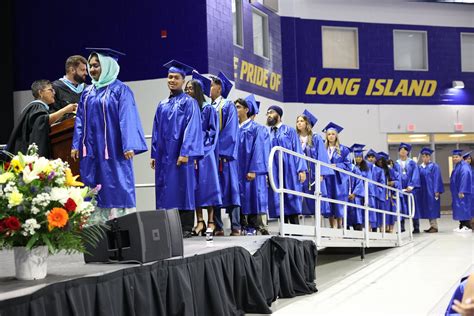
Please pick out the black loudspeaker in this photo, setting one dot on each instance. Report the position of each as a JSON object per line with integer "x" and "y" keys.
{"x": 139, "y": 237}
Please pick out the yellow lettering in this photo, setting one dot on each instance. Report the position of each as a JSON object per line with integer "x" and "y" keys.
{"x": 339, "y": 85}
{"x": 353, "y": 86}
{"x": 429, "y": 88}
{"x": 259, "y": 76}
{"x": 379, "y": 86}
{"x": 416, "y": 87}
{"x": 250, "y": 72}
{"x": 310, "y": 88}
{"x": 324, "y": 86}
{"x": 243, "y": 69}
{"x": 370, "y": 87}
{"x": 388, "y": 87}
{"x": 265, "y": 78}
{"x": 402, "y": 88}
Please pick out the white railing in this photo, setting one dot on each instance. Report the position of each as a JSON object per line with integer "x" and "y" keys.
{"x": 317, "y": 230}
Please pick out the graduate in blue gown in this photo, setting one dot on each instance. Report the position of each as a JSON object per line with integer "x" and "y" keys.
{"x": 392, "y": 179}
{"x": 177, "y": 142}
{"x": 364, "y": 169}
{"x": 208, "y": 192}
{"x": 253, "y": 166}
{"x": 461, "y": 186}
{"x": 227, "y": 150}
{"x": 294, "y": 168}
{"x": 410, "y": 182}
{"x": 337, "y": 185}
{"x": 467, "y": 157}
{"x": 378, "y": 175}
{"x": 107, "y": 134}
{"x": 313, "y": 147}
{"x": 431, "y": 189}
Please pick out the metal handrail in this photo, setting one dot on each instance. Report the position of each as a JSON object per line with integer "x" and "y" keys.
{"x": 319, "y": 198}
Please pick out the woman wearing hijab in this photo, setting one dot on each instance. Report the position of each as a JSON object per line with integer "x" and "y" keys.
{"x": 107, "y": 134}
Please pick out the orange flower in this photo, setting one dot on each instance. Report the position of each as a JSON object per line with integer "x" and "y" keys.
{"x": 57, "y": 218}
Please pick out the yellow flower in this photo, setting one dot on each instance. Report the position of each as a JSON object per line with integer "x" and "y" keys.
{"x": 5, "y": 177}
{"x": 16, "y": 165}
{"x": 71, "y": 180}
{"x": 15, "y": 198}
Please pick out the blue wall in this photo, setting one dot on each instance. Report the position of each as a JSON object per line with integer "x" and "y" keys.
{"x": 46, "y": 33}
{"x": 302, "y": 46}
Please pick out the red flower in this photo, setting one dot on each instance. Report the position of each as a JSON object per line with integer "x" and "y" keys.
{"x": 12, "y": 223}
{"x": 6, "y": 165}
{"x": 70, "y": 205}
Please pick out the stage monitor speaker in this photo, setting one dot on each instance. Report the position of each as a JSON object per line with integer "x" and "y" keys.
{"x": 176, "y": 234}
{"x": 138, "y": 237}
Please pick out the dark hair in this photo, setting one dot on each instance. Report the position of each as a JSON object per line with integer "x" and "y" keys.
{"x": 243, "y": 103}
{"x": 39, "y": 85}
{"x": 363, "y": 165}
{"x": 384, "y": 166}
{"x": 198, "y": 94}
{"x": 74, "y": 62}
{"x": 216, "y": 80}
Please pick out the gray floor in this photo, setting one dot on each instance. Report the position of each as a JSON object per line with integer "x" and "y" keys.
{"x": 417, "y": 279}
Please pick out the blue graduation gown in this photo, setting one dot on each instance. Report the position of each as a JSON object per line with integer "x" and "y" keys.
{"x": 316, "y": 151}
{"x": 409, "y": 177}
{"x": 177, "y": 131}
{"x": 287, "y": 137}
{"x": 107, "y": 125}
{"x": 356, "y": 186}
{"x": 460, "y": 182}
{"x": 338, "y": 185}
{"x": 253, "y": 157}
{"x": 378, "y": 175}
{"x": 472, "y": 191}
{"x": 227, "y": 150}
{"x": 431, "y": 182}
{"x": 208, "y": 191}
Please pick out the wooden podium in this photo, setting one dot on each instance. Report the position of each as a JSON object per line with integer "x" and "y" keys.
{"x": 61, "y": 142}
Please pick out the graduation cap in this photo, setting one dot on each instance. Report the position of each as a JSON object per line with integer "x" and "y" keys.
{"x": 405, "y": 145}
{"x": 311, "y": 118}
{"x": 371, "y": 152}
{"x": 115, "y": 54}
{"x": 252, "y": 104}
{"x": 175, "y": 66}
{"x": 226, "y": 85}
{"x": 356, "y": 146}
{"x": 333, "y": 126}
{"x": 382, "y": 154}
{"x": 457, "y": 152}
{"x": 426, "y": 151}
{"x": 203, "y": 81}
{"x": 466, "y": 155}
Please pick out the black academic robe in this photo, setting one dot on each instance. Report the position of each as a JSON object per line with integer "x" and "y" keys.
{"x": 32, "y": 127}
{"x": 63, "y": 96}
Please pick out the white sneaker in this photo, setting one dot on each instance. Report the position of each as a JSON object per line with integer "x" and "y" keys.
{"x": 464, "y": 229}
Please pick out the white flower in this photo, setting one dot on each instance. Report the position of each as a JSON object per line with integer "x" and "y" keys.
{"x": 30, "y": 226}
{"x": 85, "y": 209}
{"x": 29, "y": 175}
{"x": 41, "y": 199}
{"x": 59, "y": 194}
{"x": 75, "y": 193}
{"x": 42, "y": 165}
{"x": 7, "y": 176}
{"x": 29, "y": 159}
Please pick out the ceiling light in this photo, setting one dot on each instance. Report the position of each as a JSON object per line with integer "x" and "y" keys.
{"x": 417, "y": 135}
{"x": 457, "y": 135}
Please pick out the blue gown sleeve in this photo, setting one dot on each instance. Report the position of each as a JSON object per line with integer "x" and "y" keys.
{"x": 346, "y": 162}
{"x": 192, "y": 145}
{"x": 155, "y": 135}
{"x": 258, "y": 160}
{"x": 463, "y": 182}
{"x": 322, "y": 155}
{"x": 130, "y": 125}
{"x": 296, "y": 145}
{"x": 210, "y": 135}
{"x": 229, "y": 134}
{"x": 415, "y": 177}
{"x": 78, "y": 124}
{"x": 438, "y": 179}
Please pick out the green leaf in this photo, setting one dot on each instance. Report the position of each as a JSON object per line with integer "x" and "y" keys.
{"x": 48, "y": 243}
{"x": 32, "y": 241}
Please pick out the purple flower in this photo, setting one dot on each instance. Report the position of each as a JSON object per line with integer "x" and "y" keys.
{"x": 51, "y": 175}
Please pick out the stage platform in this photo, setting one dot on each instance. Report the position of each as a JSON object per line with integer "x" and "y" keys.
{"x": 230, "y": 276}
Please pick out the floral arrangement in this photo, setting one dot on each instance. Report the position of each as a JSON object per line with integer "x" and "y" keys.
{"x": 42, "y": 203}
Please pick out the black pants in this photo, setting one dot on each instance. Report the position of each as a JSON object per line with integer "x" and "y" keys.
{"x": 187, "y": 220}
{"x": 465, "y": 223}
{"x": 292, "y": 219}
{"x": 416, "y": 224}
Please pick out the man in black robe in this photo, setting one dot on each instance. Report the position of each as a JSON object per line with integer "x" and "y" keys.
{"x": 35, "y": 120}
{"x": 69, "y": 88}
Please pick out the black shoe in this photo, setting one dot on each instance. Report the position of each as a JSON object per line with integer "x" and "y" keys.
{"x": 187, "y": 234}
{"x": 263, "y": 231}
{"x": 427, "y": 230}
{"x": 416, "y": 231}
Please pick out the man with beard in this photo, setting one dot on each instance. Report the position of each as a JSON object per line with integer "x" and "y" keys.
{"x": 35, "y": 119}
{"x": 294, "y": 167}
{"x": 69, "y": 88}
